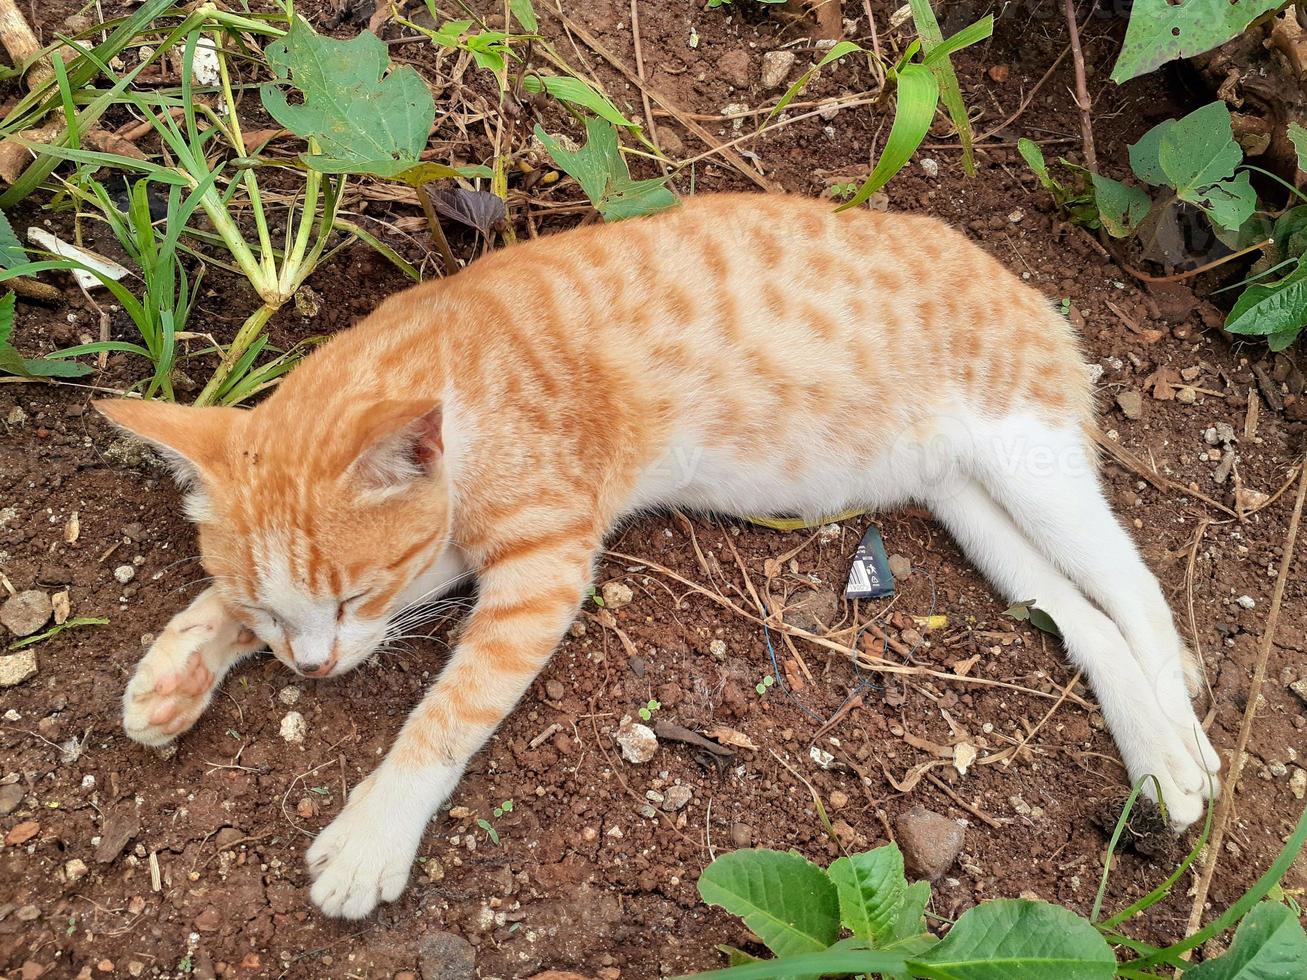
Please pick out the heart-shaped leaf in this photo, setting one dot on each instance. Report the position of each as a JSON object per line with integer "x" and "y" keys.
{"x": 870, "y": 887}
{"x": 1163, "y": 30}
{"x": 785, "y": 899}
{"x": 1268, "y": 945}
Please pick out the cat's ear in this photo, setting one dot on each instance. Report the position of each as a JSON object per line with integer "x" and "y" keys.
{"x": 194, "y": 441}
{"x": 396, "y": 443}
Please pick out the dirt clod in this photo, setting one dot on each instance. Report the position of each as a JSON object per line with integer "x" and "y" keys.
{"x": 10, "y": 796}
{"x": 25, "y": 613}
{"x": 616, "y": 595}
{"x": 1131, "y": 404}
{"x": 446, "y": 956}
{"x": 930, "y": 842}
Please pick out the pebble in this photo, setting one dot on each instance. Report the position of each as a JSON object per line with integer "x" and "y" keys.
{"x": 446, "y": 956}
{"x": 124, "y": 573}
{"x": 75, "y": 869}
{"x": 899, "y": 566}
{"x": 929, "y": 166}
{"x": 1298, "y": 783}
{"x": 17, "y": 667}
{"x": 1186, "y": 395}
{"x": 616, "y": 595}
{"x": 289, "y": 694}
{"x": 121, "y": 825}
{"x": 676, "y": 798}
{"x": 1247, "y": 602}
{"x": 838, "y": 799}
{"x": 741, "y": 835}
{"x": 1299, "y": 688}
{"x": 637, "y": 742}
{"x": 25, "y": 613}
{"x": 555, "y": 690}
{"x": 930, "y": 842}
{"x": 718, "y": 649}
{"x": 293, "y": 727}
{"x": 10, "y": 796}
{"x": 23, "y": 832}
{"x": 1131, "y": 404}
{"x": 776, "y": 67}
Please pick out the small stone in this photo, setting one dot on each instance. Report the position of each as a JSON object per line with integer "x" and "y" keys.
{"x": 121, "y": 825}
{"x": 23, "y": 832}
{"x": 930, "y": 842}
{"x": 829, "y": 533}
{"x": 1299, "y": 688}
{"x": 10, "y": 796}
{"x": 616, "y": 595}
{"x": 17, "y": 667}
{"x": 28, "y": 913}
{"x": 1298, "y": 783}
{"x": 555, "y": 690}
{"x": 124, "y": 573}
{"x": 998, "y": 73}
{"x": 734, "y": 67}
{"x": 776, "y": 67}
{"x": 1187, "y": 395}
{"x": 293, "y": 727}
{"x": 306, "y": 808}
{"x": 209, "y": 920}
{"x": 929, "y": 166}
{"x": 289, "y": 695}
{"x": 446, "y": 956}
{"x": 838, "y": 799}
{"x": 646, "y": 811}
{"x": 637, "y": 742}
{"x": 1247, "y": 602}
{"x": 813, "y": 611}
{"x": 676, "y": 798}
{"x": 899, "y": 566}
{"x": 105, "y": 966}
{"x": 718, "y": 649}
{"x": 741, "y": 835}
{"x": 1131, "y": 404}
{"x": 75, "y": 869}
{"x": 135, "y": 967}
{"x": 26, "y": 612}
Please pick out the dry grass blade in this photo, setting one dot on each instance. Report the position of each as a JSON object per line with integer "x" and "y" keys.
{"x": 1135, "y": 464}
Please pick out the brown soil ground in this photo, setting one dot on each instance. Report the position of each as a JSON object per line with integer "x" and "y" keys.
{"x": 156, "y": 864}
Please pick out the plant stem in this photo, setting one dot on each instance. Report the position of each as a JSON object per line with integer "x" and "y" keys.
{"x": 245, "y": 336}
{"x": 1082, "y": 88}
{"x": 437, "y": 233}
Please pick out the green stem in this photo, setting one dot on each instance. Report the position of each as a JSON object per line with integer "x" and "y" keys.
{"x": 245, "y": 336}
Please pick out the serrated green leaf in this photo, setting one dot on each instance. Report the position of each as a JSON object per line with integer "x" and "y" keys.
{"x": 786, "y": 900}
{"x": 365, "y": 119}
{"x": 914, "y": 110}
{"x": 1120, "y": 207}
{"x": 12, "y": 252}
{"x": 1276, "y": 309}
{"x": 1268, "y": 945}
{"x": 574, "y": 91}
{"x": 1298, "y": 137}
{"x": 1162, "y": 30}
{"x": 602, "y": 173}
{"x": 1009, "y": 938}
{"x": 870, "y": 887}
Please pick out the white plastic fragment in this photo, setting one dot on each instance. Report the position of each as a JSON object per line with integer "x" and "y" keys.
{"x": 106, "y": 267}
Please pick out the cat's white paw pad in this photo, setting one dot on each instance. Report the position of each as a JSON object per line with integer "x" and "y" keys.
{"x": 358, "y": 861}
{"x": 170, "y": 689}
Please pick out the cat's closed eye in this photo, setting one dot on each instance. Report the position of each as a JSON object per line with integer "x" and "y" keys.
{"x": 346, "y": 605}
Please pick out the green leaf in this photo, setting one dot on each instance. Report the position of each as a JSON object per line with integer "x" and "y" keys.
{"x": 786, "y": 900}
{"x": 1298, "y": 137}
{"x": 1009, "y": 938}
{"x": 1163, "y": 30}
{"x": 11, "y": 249}
{"x": 870, "y": 887}
{"x": 1268, "y": 945}
{"x": 365, "y": 120}
{"x": 68, "y": 624}
{"x": 1231, "y": 202}
{"x": 601, "y": 171}
{"x": 837, "y": 51}
{"x": 576, "y": 92}
{"x": 1199, "y": 149}
{"x": 840, "y": 960}
{"x": 1121, "y": 208}
{"x": 918, "y": 95}
{"x": 1036, "y": 617}
{"x": 12, "y": 362}
{"x": 1278, "y": 308}
{"x": 525, "y": 15}
{"x": 949, "y": 91}
{"x": 1144, "y": 159}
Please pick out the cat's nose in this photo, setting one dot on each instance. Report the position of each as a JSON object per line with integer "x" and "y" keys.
{"x": 323, "y": 670}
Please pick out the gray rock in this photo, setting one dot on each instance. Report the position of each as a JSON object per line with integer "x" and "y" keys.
{"x": 813, "y": 611}
{"x": 1131, "y": 404}
{"x": 446, "y": 956}
{"x": 930, "y": 843}
{"x": 121, "y": 825}
{"x": 17, "y": 667}
{"x": 741, "y": 835}
{"x": 638, "y": 742}
{"x": 10, "y": 796}
{"x": 676, "y": 798}
{"x": 25, "y": 613}
{"x": 776, "y": 67}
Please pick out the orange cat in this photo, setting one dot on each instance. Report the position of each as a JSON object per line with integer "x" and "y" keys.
{"x": 739, "y": 354}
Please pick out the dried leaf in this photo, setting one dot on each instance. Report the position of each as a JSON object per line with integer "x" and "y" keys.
{"x": 476, "y": 209}
{"x": 62, "y": 607}
{"x": 729, "y": 736}
{"x": 964, "y": 754}
{"x": 107, "y": 142}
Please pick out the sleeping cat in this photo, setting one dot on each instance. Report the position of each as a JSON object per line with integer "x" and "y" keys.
{"x": 741, "y": 354}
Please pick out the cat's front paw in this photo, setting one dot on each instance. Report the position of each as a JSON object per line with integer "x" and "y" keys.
{"x": 364, "y": 856}
{"x": 175, "y": 680}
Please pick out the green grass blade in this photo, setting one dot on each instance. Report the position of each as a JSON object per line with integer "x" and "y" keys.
{"x": 949, "y": 90}
{"x": 1117, "y": 831}
{"x": 918, "y": 95}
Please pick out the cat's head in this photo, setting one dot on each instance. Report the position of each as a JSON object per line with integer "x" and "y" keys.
{"x": 312, "y": 523}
